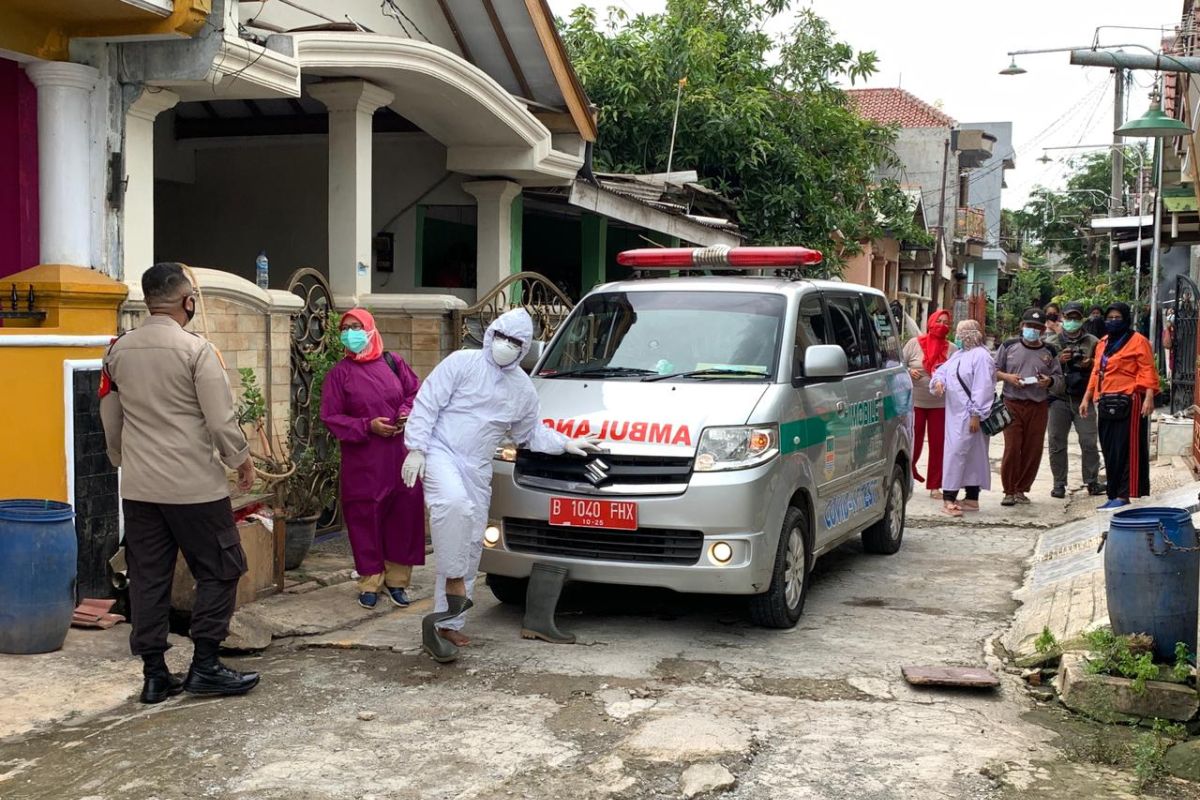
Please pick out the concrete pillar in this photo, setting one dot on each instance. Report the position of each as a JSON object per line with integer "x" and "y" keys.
{"x": 137, "y": 223}
{"x": 351, "y": 104}
{"x": 497, "y": 232}
{"x": 594, "y": 251}
{"x": 64, "y": 167}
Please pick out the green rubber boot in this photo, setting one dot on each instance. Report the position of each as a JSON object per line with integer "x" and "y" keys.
{"x": 438, "y": 648}
{"x": 541, "y": 599}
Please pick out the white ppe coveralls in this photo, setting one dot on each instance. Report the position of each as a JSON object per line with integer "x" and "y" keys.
{"x": 462, "y": 413}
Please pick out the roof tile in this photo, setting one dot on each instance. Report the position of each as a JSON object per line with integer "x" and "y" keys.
{"x": 897, "y": 107}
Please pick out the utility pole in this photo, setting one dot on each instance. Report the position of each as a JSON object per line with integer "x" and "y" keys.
{"x": 940, "y": 252}
{"x": 1118, "y": 166}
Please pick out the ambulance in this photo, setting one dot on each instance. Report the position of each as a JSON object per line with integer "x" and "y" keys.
{"x": 750, "y": 424}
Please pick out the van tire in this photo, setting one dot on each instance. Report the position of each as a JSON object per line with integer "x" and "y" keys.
{"x": 508, "y": 590}
{"x": 886, "y": 535}
{"x": 778, "y": 607}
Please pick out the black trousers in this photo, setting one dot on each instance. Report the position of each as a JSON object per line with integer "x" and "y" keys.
{"x": 1126, "y": 444}
{"x": 155, "y": 533}
{"x": 972, "y": 493}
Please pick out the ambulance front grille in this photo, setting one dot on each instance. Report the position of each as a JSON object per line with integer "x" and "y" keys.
{"x": 616, "y": 474}
{"x": 645, "y": 545}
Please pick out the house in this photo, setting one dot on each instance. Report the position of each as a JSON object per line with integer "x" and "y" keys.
{"x": 407, "y": 156}
{"x": 936, "y": 157}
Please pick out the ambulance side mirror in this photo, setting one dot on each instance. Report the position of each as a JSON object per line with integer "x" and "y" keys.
{"x": 823, "y": 362}
{"x": 536, "y": 348}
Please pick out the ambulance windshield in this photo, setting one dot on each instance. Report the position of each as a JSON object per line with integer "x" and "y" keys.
{"x": 670, "y": 335}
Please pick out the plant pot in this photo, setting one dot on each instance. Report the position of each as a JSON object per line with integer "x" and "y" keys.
{"x": 299, "y": 539}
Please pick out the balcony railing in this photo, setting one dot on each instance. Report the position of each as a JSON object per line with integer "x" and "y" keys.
{"x": 970, "y": 223}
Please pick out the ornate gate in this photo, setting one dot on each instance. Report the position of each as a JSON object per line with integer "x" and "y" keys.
{"x": 1183, "y": 353}
{"x": 544, "y": 301}
{"x": 309, "y": 328}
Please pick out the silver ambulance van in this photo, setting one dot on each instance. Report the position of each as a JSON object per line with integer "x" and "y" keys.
{"x": 749, "y": 425}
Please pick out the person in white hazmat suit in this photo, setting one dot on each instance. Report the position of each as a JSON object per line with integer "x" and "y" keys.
{"x": 461, "y": 414}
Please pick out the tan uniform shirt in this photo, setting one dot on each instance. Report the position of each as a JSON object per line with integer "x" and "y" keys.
{"x": 169, "y": 418}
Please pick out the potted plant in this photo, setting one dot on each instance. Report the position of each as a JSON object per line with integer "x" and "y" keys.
{"x": 300, "y": 475}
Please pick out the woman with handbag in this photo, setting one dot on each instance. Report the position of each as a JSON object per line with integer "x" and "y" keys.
{"x": 968, "y": 383}
{"x": 365, "y": 402}
{"x": 1123, "y": 386}
{"x": 923, "y": 355}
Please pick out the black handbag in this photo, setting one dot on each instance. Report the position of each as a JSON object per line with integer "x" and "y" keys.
{"x": 1111, "y": 406}
{"x": 1114, "y": 406}
{"x": 998, "y": 418}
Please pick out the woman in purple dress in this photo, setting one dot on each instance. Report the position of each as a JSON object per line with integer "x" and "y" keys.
{"x": 968, "y": 382}
{"x": 364, "y": 402}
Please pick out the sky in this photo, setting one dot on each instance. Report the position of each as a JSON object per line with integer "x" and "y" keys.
{"x": 949, "y": 53}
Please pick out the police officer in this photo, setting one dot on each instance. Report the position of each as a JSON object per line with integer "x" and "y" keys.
{"x": 170, "y": 426}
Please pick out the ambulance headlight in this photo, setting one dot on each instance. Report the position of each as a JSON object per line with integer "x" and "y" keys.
{"x": 737, "y": 447}
{"x": 491, "y": 535}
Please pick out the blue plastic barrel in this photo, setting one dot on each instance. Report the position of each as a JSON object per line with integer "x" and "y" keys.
{"x": 38, "y": 555}
{"x": 1151, "y": 582}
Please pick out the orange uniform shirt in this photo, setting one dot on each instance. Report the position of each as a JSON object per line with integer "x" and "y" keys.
{"x": 1130, "y": 370}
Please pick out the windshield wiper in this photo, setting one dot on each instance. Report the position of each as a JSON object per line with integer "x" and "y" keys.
{"x": 599, "y": 372}
{"x": 705, "y": 373}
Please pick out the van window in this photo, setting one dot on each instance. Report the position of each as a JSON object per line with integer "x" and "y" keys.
{"x": 852, "y": 330}
{"x": 810, "y": 327}
{"x": 885, "y": 330}
{"x": 627, "y": 334}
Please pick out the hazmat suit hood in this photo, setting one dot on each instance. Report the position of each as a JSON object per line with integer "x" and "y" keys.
{"x": 517, "y": 324}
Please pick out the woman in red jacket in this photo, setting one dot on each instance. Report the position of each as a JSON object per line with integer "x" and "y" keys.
{"x": 922, "y": 355}
{"x": 1123, "y": 386}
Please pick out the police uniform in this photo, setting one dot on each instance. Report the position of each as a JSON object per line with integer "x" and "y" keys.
{"x": 1024, "y": 439}
{"x": 170, "y": 426}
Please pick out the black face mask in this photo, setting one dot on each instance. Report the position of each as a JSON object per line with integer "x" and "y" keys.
{"x": 189, "y": 312}
{"x": 1052, "y": 317}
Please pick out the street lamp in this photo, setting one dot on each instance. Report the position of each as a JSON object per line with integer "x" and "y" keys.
{"x": 1157, "y": 125}
{"x": 1013, "y": 69}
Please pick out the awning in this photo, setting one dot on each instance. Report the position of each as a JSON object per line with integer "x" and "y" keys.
{"x": 609, "y": 204}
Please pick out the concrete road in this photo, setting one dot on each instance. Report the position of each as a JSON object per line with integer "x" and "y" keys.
{"x": 660, "y": 683}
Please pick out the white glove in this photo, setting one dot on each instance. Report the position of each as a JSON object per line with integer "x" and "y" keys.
{"x": 413, "y": 469}
{"x": 582, "y": 446}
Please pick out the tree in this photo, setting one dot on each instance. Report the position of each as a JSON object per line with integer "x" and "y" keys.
{"x": 761, "y": 119}
{"x": 1057, "y": 223}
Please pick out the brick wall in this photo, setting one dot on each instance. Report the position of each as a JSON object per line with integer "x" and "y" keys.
{"x": 422, "y": 340}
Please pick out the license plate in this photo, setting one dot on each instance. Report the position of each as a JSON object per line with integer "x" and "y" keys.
{"x": 570, "y": 512}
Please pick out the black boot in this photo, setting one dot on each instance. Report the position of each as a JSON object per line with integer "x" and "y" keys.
{"x": 438, "y": 648}
{"x": 541, "y": 599}
{"x": 208, "y": 676}
{"x": 157, "y": 681}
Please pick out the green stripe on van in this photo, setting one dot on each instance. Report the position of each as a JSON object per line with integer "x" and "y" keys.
{"x": 800, "y": 434}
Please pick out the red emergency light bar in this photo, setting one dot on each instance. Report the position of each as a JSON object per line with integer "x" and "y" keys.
{"x": 720, "y": 257}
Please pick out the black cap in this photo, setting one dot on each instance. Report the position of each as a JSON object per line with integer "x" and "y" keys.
{"x": 1075, "y": 306}
{"x": 1034, "y": 316}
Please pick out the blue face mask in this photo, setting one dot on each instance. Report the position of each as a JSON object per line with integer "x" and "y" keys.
{"x": 1031, "y": 334}
{"x": 1114, "y": 326}
{"x": 355, "y": 340}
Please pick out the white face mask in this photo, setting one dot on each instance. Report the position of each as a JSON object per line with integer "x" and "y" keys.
{"x": 504, "y": 353}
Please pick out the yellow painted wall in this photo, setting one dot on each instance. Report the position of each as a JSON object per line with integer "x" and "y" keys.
{"x": 44, "y": 30}
{"x": 33, "y": 460}
{"x": 33, "y": 453}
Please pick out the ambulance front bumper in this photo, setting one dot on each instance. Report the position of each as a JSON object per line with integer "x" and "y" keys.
{"x": 674, "y": 547}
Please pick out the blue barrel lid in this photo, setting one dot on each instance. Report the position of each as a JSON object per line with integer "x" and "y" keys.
{"x": 35, "y": 511}
{"x": 1152, "y": 514}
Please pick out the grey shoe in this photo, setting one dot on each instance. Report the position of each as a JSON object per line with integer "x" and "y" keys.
{"x": 1022, "y": 499}
{"x": 1058, "y": 492}
{"x": 438, "y": 648}
{"x": 1009, "y": 500}
{"x": 541, "y": 599}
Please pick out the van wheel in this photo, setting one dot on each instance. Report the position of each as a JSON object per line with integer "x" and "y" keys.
{"x": 780, "y": 606}
{"x": 885, "y": 536}
{"x": 508, "y": 590}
